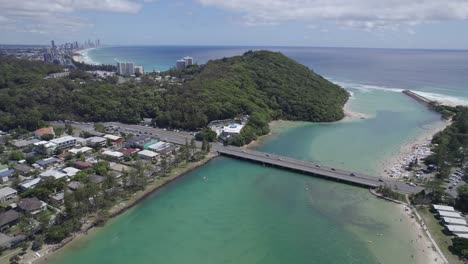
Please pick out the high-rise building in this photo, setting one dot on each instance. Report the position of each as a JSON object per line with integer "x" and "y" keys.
{"x": 180, "y": 64}
{"x": 126, "y": 68}
{"x": 188, "y": 61}
{"x": 53, "y": 44}
{"x": 139, "y": 70}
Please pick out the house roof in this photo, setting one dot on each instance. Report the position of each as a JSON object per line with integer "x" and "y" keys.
{"x": 30, "y": 204}
{"x": 8, "y": 217}
{"x": 74, "y": 185}
{"x": 6, "y": 173}
{"x": 83, "y": 164}
{"x": 53, "y": 173}
{"x": 30, "y": 183}
{"x": 23, "y": 168}
{"x": 70, "y": 171}
{"x": 148, "y": 153}
{"x": 58, "y": 196}
{"x": 96, "y": 179}
{"x": 128, "y": 150}
{"x": 44, "y": 131}
{"x": 7, "y": 191}
{"x": 45, "y": 162}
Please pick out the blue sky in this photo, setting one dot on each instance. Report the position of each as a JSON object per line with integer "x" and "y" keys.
{"x": 336, "y": 23}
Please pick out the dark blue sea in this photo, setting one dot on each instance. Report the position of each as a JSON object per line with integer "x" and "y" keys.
{"x": 438, "y": 74}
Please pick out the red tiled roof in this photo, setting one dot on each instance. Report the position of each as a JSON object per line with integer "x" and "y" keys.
{"x": 44, "y": 131}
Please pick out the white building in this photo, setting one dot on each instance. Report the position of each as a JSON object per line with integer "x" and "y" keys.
{"x": 126, "y": 68}
{"x": 188, "y": 61}
{"x": 30, "y": 183}
{"x": 180, "y": 64}
{"x": 139, "y": 70}
{"x": 159, "y": 146}
{"x": 7, "y": 193}
{"x": 44, "y": 147}
{"x": 450, "y": 214}
{"x": 113, "y": 154}
{"x": 80, "y": 150}
{"x": 70, "y": 171}
{"x": 53, "y": 173}
{"x": 96, "y": 141}
{"x": 458, "y": 229}
{"x": 64, "y": 142}
{"x": 233, "y": 129}
{"x": 454, "y": 221}
{"x": 443, "y": 208}
{"x": 148, "y": 154}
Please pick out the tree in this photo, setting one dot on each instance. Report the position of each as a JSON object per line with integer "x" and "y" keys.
{"x": 99, "y": 127}
{"x": 47, "y": 137}
{"x": 69, "y": 129}
{"x": 206, "y": 134}
{"x": 37, "y": 243}
{"x": 462, "y": 199}
{"x": 460, "y": 246}
{"x": 59, "y": 130}
{"x": 16, "y": 155}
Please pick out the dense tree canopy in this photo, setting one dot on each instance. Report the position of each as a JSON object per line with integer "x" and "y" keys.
{"x": 262, "y": 84}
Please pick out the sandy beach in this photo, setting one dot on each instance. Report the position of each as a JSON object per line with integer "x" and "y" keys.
{"x": 351, "y": 115}
{"x": 425, "y": 251}
{"x": 418, "y": 148}
{"x": 81, "y": 56}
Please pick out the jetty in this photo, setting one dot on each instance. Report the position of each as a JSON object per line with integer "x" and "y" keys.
{"x": 423, "y": 100}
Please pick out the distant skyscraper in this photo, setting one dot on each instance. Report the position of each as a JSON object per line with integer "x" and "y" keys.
{"x": 139, "y": 70}
{"x": 188, "y": 61}
{"x": 180, "y": 64}
{"x": 126, "y": 68}
{"x": 53, "y": 44}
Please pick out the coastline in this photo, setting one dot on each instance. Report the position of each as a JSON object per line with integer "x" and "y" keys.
{"x": 118, "y": 209}
{"x": 82, "y": 56}
{"x": 392, "y": 166}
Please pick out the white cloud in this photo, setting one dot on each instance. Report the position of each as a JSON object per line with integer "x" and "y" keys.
{"x": 365, "y": 14}
{"x": 55, "y": 16}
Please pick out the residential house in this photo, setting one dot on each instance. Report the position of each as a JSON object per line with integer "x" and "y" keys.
{"x": 83, "y": 165}
{"x": 45, "y": 147}
{"x": 8, "y": 219}
{"x": 83, "y": 150}
{"x": 44, "y": 131}
{"x": 48, "y": 162}
{"x": 119, "y": 167}
{"x": 29, "y": 184}
{"x": 53, "y": 173}
{"x": 57, "y": 199}
{"x": 23, "y": 169}
{"x": 31, "y": 206}
{"x": 113, "y": 154}
{"x": 70, "y": 171}
{"x": 7, "y": 193}
{"x": 128, "y": 151}
{"x": 148, "y": 155}
{"x": 97, "y": 179}
{"x": 64, "y": 142}
{"x": 5, "y": 175}
{"x": 73, "y": 185}
{"x": 114, "y": 139}
{"x": 96, "y": 141}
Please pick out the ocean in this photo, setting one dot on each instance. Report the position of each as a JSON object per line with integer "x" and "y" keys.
{"x": 246, "y": 213}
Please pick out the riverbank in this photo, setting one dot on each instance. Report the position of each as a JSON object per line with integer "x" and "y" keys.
{"x": 89, "y": 227}
{"x": 351, "y": 115}
{"x": 419, "y": 148}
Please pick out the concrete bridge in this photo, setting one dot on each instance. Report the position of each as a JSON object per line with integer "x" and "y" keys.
{"x": 314, "y": 169}
{"x": 299, "y": 166}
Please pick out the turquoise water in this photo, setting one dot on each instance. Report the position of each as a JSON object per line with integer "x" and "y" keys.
{"x": 246, "y": 213}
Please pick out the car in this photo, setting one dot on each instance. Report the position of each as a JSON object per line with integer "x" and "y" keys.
{"x": 333, "y": 169}
{"x": 243, "y": 151}
{"x": 280, "y": 159}
{"x": 317, "y": 165}
{"x": 352, "y": 174}
{"x": 268, "y": 155}
{"x": 380, "y": 180}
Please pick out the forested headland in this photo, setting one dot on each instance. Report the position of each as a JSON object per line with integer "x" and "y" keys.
{"x": 265, "y": 85}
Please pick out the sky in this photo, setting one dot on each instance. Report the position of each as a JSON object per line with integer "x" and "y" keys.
{"x": 430, "y": 24}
